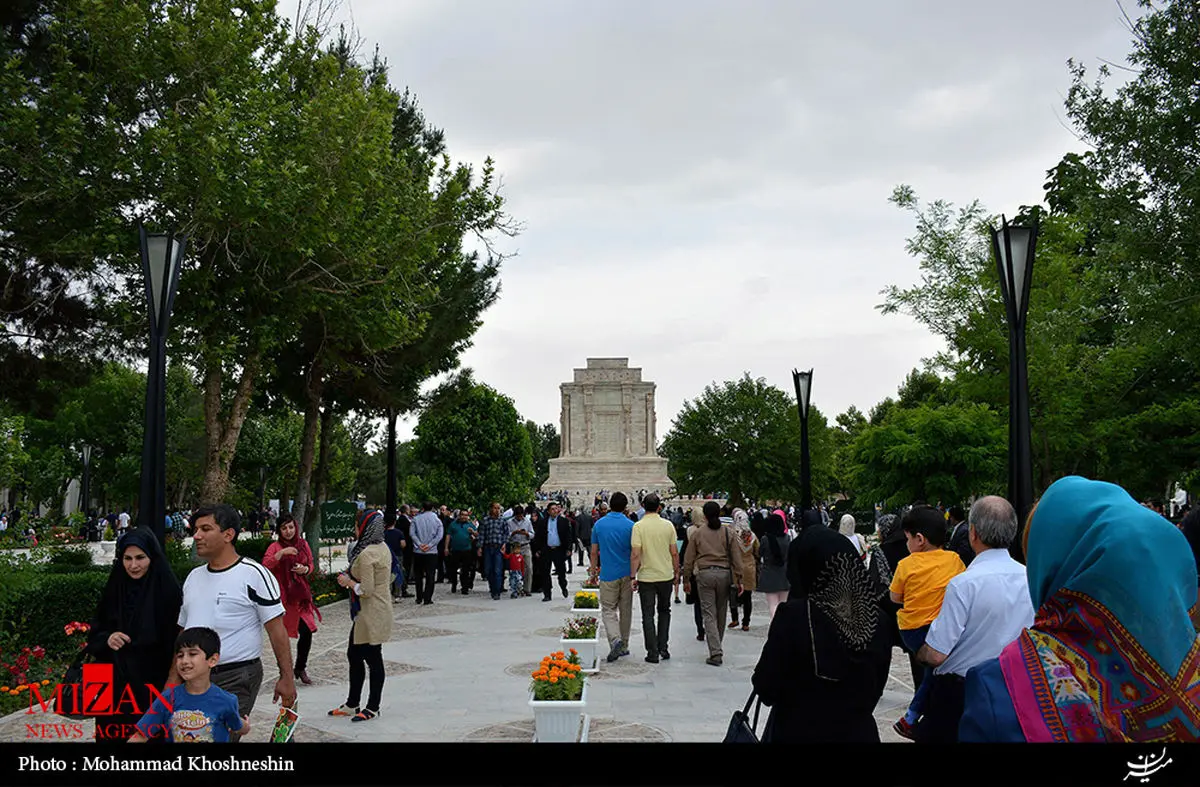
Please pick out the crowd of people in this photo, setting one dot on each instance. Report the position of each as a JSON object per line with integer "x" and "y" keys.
{"x": 1093, "y": 639}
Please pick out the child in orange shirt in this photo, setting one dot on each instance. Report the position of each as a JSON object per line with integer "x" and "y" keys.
{"x": 919, "y": 584}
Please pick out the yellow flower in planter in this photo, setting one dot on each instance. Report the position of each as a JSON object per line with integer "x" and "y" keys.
{"x": 585, "y": 600}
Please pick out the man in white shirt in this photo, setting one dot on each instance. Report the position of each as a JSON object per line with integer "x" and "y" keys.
{"x": 122, "y": 522}
{"x": 985, "y": 608}
{"x": 237, "y": 598}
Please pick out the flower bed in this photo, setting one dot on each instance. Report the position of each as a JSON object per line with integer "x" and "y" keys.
{"x": 586, "y": 600}
{"x": 580, "y": 628}
{"x": 559, "y": 678}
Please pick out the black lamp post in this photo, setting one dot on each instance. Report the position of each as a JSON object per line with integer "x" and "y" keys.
{"x": 392, "y": 502}
{"x": 85, "y": 492}
{"x": 803, "y": 383}
{"x": 161, "y": 257}
{"x": 1014, "y": 247}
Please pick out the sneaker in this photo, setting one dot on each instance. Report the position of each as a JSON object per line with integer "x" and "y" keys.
{"x": 344, "y": 710}
{"x": 904, "y": 729}
{"x": 664, "y": 655}
{"x": 545, "y": 598}
{"x": 615, "y": 652}
{"x": 366, "y": 714}
{"x": 651, "y": 658}
{"x": 512, "y": 595}
{"x": 624, "y": 651}
{"x": 564, "y": 592}
{"x": 713, "y": 660}
{"x": 699, "y": 637}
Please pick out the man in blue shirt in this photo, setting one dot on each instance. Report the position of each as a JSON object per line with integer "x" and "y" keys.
{"x": 551, "y": 540}
{"x": 612, "y": 537}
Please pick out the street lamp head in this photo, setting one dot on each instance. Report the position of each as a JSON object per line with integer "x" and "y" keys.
{"x": 1013, "y": 245}
{"x": 162, "y": 254}
{"x": 87, "y": 454}
{"x": 803, "y": 382}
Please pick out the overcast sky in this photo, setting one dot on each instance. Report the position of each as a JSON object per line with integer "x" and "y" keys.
{"x": 704, "y": 184}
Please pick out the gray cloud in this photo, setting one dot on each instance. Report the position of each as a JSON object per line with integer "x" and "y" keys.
{"x": 704, "y": 184}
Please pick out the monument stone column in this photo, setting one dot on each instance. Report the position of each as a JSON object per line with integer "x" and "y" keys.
{"x": 617, "y": 449}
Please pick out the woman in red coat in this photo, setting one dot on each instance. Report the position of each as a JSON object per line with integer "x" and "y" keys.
{"x": 291, "y": 561}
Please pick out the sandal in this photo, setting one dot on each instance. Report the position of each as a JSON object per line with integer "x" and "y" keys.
{"x": 366, "y": 714}
{"x": 345, "y": 710}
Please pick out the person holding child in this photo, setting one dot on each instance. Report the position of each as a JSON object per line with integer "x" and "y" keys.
{"x": 919, "y": 585}
{"x": 196, "y": 711}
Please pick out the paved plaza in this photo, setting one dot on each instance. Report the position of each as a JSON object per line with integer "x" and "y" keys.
{"x": 459, "y": 671}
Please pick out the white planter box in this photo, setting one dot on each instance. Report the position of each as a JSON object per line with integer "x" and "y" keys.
{"x": 559, "y": 722}
{"x": 588, "y": 650}
{"x": 108, "y": 548}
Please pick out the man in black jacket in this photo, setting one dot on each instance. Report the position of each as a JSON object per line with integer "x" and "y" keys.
{"x": 960, "y": 534}
{"x": 552, "y": 540}
{"x": 583, "y": 527}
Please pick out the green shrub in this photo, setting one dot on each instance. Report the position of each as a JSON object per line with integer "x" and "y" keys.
{"x": 253, "y": 547}
{"x": 64, "y": 560}
{"x": 35, "y": 606}
{"x": 325, "y": 589}
{"x": 180, "y": 559}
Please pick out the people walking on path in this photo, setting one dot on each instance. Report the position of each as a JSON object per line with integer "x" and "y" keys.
{"x": 748, "y": 551}
{"x": 654, "y": 565}
{"x": 134, "y": 627}
{"x": 551, "y": 540}
{"x": 427, "y": 535}
{"x": 612, "y": 537}
{"x": 290, "y": 559}
{"x": 493, "y": 543}
{"x": 714, "y": 569}
{"x": 237, "y": 598}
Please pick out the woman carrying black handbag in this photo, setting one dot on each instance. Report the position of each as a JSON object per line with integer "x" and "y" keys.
{"x": 825, "y": 662}
{"x": 134, "y": 629}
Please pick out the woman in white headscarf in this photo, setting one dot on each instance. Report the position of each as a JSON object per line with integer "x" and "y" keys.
{"x": 748, "y": 549}
{"x": 847, "y": 528}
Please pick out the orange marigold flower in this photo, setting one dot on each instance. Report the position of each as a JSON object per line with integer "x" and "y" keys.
{"x": 574, "y": 652}
{"x": 554, "y": 680}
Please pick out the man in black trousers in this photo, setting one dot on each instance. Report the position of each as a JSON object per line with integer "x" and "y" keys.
{"x": 552, "y": 542}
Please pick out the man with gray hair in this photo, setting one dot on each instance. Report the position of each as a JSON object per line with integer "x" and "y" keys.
{"x": 985, "y": 608}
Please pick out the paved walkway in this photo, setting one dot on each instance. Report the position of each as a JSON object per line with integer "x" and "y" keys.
{"x": 458, "y": 670}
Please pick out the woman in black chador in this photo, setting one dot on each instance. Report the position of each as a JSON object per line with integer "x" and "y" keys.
{"x": 134, "y": 629}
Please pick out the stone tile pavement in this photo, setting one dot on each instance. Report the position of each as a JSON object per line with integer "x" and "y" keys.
{"x": 458, "y": 671}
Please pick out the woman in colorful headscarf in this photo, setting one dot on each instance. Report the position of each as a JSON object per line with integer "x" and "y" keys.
{"x": 369, "y": 580}
{"x": 291, "y": 561}
{"x": 825, "y": 663}
{"x": 748, "y": 549}
{"x": 1113, "y": 654}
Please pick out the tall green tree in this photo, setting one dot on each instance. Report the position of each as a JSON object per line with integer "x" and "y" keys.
{"x": 743, "y": 436}
{"x": 472, "y": 446}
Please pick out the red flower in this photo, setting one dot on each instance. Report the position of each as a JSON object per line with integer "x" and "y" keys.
{"x": 39, "y": 652}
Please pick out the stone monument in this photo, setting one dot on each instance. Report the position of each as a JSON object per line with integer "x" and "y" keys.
{"x": 609, "y": 433}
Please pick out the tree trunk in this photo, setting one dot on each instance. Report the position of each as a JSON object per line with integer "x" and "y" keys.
{"x": 221, "y": 434}
{"x": 323, "y": 455}
{"x": 308, "y": 445}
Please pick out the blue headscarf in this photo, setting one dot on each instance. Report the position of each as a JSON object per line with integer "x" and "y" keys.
{"x": 1093, "y": 538}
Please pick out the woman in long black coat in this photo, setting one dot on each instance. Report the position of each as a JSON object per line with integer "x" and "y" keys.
{"x": 134, "y": 629}
{"x": 825, "y": 663}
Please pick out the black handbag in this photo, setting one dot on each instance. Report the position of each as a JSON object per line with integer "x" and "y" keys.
{"x": 741, "y": 729}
